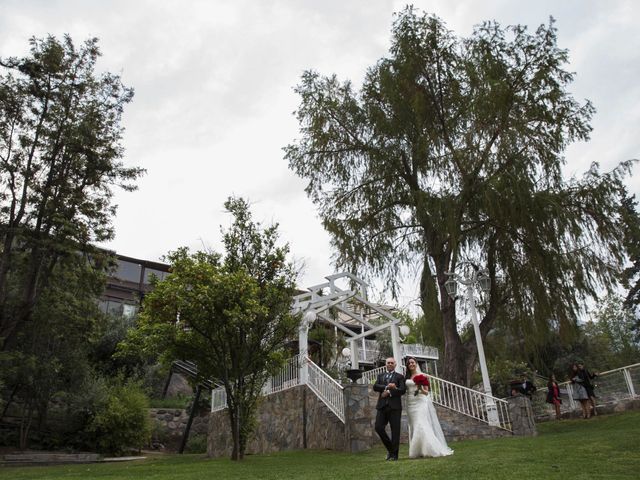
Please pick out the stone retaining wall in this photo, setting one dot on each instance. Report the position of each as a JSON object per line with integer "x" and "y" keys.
{"x": 455, "y": 426}
{"x": 168, "y": 424}
{"x": 290, "y": 420}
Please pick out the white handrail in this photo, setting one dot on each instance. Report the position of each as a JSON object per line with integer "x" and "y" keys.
{"x": 469, "y": 402}
{"x": 287, "y": 377}
{"x": 218, "y": 399}
{"x": 419, "y": 350}
{"x": 327, "y": 389}
{"x": 610, "y": 387}
{"x": 455, "y": 397}
{"x": 626, "y": 367}
{"x": 369, "y": 376}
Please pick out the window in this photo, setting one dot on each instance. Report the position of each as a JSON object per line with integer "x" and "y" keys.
{"x": 128, "y": 271}
{"x": 118, "y": 308}
{"x": 149, "y": 272}
{"x": 129, "y": 311}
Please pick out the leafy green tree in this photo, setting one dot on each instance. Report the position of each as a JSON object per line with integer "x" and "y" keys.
{"x": 60, "y": 158}
{"x": 50, "y": 358}
{"x": 605, "y": 342}
{"x": 631, "y": 274}
{"x": 452, "y": 150}
{"x": 230, "y": 314}
{"x": 610, "y": 336}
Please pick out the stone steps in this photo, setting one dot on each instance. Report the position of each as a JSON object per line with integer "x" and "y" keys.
{"x": 455, "y": 425}
{"x": 47, "y": 458}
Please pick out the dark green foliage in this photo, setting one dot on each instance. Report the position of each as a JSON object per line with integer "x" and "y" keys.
{"x": 121, "y": 420}
{"x": 565, "y": 450}
{"x": 609, "y": 339}
{"x": 60, "y": 158}
{"x": 452, "y": 150}
{"x": 605, "y": 342}
{"x": 197, "y": 444}
{"x": 323, "y": 345}
{"x": 230, "y": 314}
{"x": 631, "y": 274}
{"x": 50, "y": 356}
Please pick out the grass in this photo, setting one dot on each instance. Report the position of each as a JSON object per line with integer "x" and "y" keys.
{"x": 602, "y": 447}
{"x": 170, "y": 402}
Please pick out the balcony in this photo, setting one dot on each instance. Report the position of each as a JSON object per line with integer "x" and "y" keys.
{"x": 370, "y": 353}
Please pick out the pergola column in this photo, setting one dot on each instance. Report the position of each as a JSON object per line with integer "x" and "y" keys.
{"x": 396, "y": 346}
{"x": 355, "y": 362}
{"x": 303, "y": 345}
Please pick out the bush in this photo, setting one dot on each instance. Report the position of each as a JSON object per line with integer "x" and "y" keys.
{"x": 121, "y": 422}
{"x": 180, "y": 401}
{"x": 197, "y": 444}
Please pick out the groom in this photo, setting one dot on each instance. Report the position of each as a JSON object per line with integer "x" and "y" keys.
{"x": 391, "y": 387}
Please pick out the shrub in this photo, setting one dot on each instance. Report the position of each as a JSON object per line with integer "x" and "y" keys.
{"x": 179, "y": 401}
{"x": 121, "y": 422}
{"x": 197, "y": 444}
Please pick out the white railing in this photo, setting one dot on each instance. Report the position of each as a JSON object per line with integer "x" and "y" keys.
{"x": 327, "y": 389}
{"x": 610, "y": 387}
{"x": 370, "y": 376}
{"x": 371, "y": 353}
{"x": 287, "y": 377}
{"x": 218, "y": 399}
{"x": 469, "y": 402}
{"x": 419, "y": 350}
{"x": 368, "y": 356}
{"x": 455, "y": 397}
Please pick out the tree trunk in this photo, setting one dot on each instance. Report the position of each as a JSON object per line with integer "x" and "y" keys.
{"x": 236, "y": 419}
{"x": 7, "y": 322}
{"x": 431, "y": 328}
{"x": 25, "y": 425}
{"x": 455, "y": 355}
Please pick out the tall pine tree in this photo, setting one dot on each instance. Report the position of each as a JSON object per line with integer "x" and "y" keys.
{"x": 452, "y": 150}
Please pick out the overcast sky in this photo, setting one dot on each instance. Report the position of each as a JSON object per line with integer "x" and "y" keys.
{"x": 214, "y": 97}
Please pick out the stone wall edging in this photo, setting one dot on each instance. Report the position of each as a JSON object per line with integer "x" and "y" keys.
{"x": 289, "y": 420}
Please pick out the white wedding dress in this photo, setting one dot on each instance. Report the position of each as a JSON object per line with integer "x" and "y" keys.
{"x": 425, "y": 433}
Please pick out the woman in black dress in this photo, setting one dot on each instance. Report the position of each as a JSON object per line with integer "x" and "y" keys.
{"x": 587, "y": 376}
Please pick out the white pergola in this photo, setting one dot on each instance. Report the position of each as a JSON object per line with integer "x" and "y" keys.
{"x": 352, "y": 302}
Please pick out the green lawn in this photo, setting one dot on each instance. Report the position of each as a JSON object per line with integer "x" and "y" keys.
{"x": 602, "y": 447}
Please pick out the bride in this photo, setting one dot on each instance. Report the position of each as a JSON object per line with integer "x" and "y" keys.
{"x": 425, "y": 433}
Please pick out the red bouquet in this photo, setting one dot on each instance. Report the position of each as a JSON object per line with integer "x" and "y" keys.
{"x": 421, "y": 381}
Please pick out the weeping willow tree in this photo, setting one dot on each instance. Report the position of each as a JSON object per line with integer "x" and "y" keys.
{"x": 452, "y": 150}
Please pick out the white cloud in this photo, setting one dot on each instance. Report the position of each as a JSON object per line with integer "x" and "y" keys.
{"x": 214, "y": 96}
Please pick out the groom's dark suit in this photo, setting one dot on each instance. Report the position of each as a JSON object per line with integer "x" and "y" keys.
{"x": 389, "y": 410}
